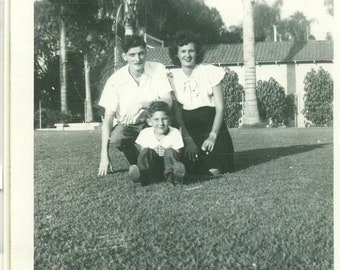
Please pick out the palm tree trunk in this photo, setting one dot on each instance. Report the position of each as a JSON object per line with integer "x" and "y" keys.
{"x": 130, "y": 17}
{"x": 63, "y": 64}
{"x": 251, "y": 113}
{"x": 87, "y": 67}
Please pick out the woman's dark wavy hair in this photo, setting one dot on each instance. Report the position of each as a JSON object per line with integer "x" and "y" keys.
{"x": 183, "y": 38}
{"x": 132, "y": 42}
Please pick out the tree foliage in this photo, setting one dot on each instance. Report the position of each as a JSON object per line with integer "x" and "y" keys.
{"x": 330, "y": 6}
{"x": 318, "y": 107}
{"x": 233, "y": 35}
{"x": 271, "y": 100}
{"x": 46, "y": 44}
{"x": 46, "y": 54}
{"x": 296, "y": 27}
{"x": 265, "y": 16}
{"x": 233, "y": 97}
{"x": 163, "y": 19}
{"x": 88, "y": 32}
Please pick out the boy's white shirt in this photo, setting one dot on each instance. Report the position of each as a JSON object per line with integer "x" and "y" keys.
{"x": 173, "y": 139}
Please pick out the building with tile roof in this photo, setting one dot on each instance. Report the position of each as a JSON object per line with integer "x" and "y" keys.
{"x": 284, "y": 52}
{"x": 287, "y": 62}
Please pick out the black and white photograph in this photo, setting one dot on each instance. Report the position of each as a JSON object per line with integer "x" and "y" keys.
{"x": 2, "y": 144}
{"x": 170, "y": 134}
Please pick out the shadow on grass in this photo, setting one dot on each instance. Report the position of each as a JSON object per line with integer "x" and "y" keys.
{"x": 119, "y": 170}
{"x": 194, "y": 179}
{"x": 249, "y": 158}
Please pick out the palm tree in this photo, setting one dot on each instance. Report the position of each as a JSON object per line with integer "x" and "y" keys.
{"x": 63, "y": 62}
{"x": 88, "y": 98}
{"x": 251, "y": 113}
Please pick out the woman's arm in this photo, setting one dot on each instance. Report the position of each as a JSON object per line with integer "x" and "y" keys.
{"x": 209, "y": 143}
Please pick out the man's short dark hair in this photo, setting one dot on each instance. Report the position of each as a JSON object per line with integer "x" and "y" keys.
{"x": 184, "y": 38}
{"x": 159, "y": 106}
{"x": 132, "y": 41}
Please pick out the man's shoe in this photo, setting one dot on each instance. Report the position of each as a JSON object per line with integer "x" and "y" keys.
{"x": 134, "y": 173}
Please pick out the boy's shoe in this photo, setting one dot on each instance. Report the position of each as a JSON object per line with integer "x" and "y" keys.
{"x": 134, "y": 173}
{"x": 178, "y": 173}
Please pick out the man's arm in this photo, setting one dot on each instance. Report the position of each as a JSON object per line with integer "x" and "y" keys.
{"x": 105, "y": 162}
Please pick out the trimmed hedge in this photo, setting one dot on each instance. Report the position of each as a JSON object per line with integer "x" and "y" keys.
{"x": 318, "y": 108}
{"x": 233, "y": 97}
{"x": 274, "y": 106}
{"x": 51, "y": 117}
{"x": 270, "y": 98}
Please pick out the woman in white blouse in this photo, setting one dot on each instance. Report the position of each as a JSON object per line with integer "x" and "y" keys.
{"x": 199, "y": 108}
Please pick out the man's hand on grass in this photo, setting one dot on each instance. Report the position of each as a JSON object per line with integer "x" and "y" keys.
{"x": 105, "y": 166}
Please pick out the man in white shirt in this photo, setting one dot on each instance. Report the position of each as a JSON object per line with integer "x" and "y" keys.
{"x": 127, "y": 93}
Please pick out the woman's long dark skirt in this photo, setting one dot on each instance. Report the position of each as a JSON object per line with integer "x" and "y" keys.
{"x": 199, "y": 123}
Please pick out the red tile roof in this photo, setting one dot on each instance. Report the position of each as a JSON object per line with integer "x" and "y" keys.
{"x": 265, "y": 53}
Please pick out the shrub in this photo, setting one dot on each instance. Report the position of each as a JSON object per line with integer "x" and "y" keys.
{"x": 51, "y": 117}
{"x": 271, "y": 101}
{"x": 233, "y": 96}
{"x": 318, "y": 107}
{"x": 46, "y": 122}
{"x": 289, "y": 109}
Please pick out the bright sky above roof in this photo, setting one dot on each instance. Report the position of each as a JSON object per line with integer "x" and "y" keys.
{"x": 322, "y": 22}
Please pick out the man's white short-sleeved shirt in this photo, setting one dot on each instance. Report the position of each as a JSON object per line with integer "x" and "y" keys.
{"x": 121, "y": 91}
{"x": 147, "y": 139}
{"x": 196, "y": 90}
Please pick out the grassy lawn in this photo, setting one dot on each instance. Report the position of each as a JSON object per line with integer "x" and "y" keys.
{"x": 274, "y": 212}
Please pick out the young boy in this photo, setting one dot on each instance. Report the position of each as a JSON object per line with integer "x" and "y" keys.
{"x": 159, "y": 147}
